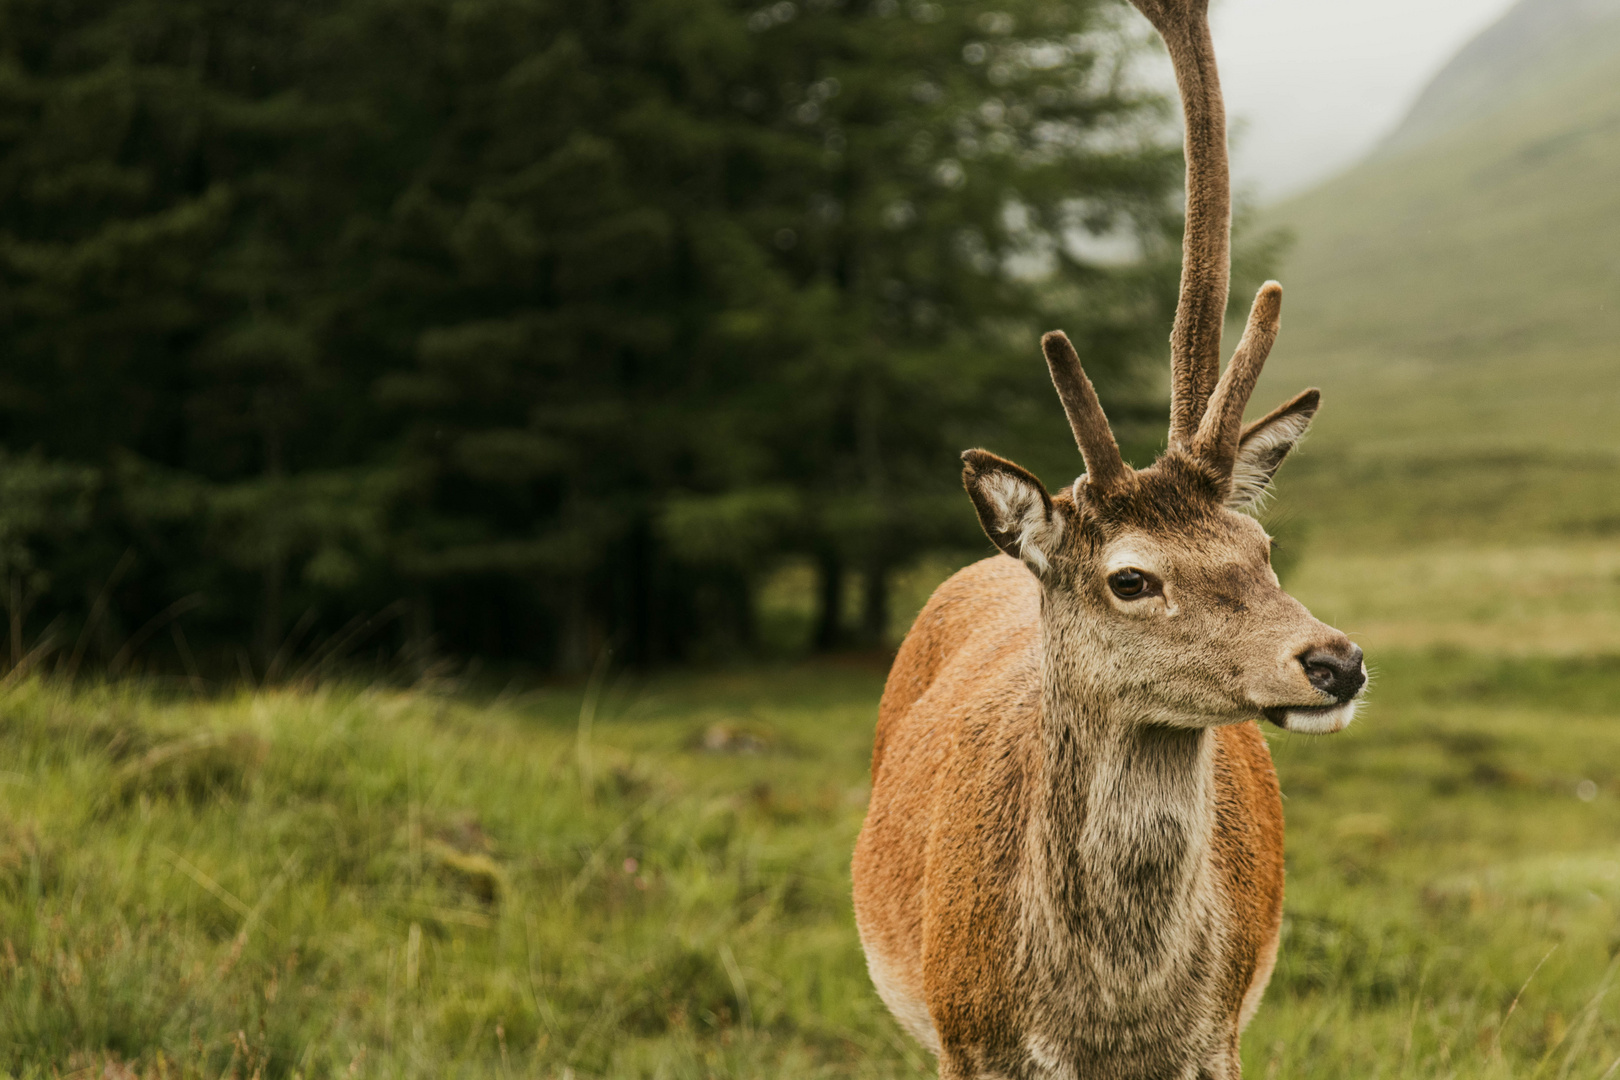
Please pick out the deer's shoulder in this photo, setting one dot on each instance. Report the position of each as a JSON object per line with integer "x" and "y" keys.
{"x": 973, "y": 644}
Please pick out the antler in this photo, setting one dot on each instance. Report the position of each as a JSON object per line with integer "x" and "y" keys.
{"x": 1104, "y": 466}
{"x": 1206, "y": 407}
{"x": 1195, "y": 340}
{"x": 1217, "y": 439}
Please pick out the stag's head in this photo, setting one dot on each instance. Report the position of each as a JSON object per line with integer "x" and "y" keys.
{"x": 1157, "y": 586}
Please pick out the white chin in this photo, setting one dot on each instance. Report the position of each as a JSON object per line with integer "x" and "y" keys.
{"x": 1320, "y": 721}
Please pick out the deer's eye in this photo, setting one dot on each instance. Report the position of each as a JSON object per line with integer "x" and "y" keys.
{"x": 1128, "y": 584}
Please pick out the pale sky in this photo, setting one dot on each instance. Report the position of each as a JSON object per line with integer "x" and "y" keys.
{"x": 1311, "y": 85}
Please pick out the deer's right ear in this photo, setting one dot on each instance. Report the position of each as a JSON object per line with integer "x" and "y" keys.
{"x": 1013, "y": 507}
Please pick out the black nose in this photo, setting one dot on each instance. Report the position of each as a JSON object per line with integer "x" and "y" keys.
{"x": 1335, "y": 673}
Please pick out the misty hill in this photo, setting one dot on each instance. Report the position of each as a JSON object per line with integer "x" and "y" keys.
{"x": 1457, "y": 296}
{"x": 1526, "y": 51}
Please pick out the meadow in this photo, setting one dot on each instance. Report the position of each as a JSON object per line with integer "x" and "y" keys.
{"x": 648, "y": 876}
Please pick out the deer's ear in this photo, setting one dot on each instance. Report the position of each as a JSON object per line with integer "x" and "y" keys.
{"x": 1013, "y": 507}
{"x": 1263, "y": 446}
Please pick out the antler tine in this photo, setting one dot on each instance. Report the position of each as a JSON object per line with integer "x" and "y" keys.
{"x": 1104, "y": 466}
{"x": 1217, "y": 439}
{"x": 1195, "y": 339}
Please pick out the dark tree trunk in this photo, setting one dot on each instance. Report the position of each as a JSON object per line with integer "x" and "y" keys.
{"x": 270, "y": 616}
{"x": 644, "y": 622}
{"x": 419, "y": 632}
{"x": 574, "y": 646}
{"x": 829, "y": 633}
{"x": 875, "y": 606}
{"x": 637, "y": 607}
{"x": 275, "y": 571}
{"x": 743, "y": 600}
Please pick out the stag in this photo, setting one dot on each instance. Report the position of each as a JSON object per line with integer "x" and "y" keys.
{"x": 1072, "y": 861}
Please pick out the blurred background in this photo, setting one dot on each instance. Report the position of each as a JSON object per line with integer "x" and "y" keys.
{"x": 465, "y": 466}
{"x": 531, "y": 330}
{"x": 414, "y": 332}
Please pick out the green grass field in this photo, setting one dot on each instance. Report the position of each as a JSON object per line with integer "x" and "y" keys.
{"x": 372, "y": 882}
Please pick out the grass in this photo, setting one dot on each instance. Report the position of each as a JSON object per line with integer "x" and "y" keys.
{"x": 352, "y": 882}
{"x": 1464, "y": 835}
{"x": 367, "y": 882}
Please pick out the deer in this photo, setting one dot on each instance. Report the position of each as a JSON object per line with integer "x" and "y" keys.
{"x": 1072, "y": 858}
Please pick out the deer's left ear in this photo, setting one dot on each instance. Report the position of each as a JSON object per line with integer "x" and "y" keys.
{"x": 1263, "y": 446}
{"x": 1014, "y": 508}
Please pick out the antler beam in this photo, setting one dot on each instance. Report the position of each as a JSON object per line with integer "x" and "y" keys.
{"x": 1195, "y": 340}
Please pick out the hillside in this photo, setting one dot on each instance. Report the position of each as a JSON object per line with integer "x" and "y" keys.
{"x": 1523, "y": 52}
{"x": 1457, "y": 297}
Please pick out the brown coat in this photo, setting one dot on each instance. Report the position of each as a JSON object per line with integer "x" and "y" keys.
{"x": 1072, "y": 862}
{"x": 967, "y": 807}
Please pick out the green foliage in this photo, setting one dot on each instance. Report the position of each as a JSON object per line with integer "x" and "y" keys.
{"x": 553, "y": 324}
{"x": 408, "y": 883}
{"x": 40, "y": 502}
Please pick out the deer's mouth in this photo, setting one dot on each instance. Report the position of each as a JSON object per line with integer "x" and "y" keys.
{"x": 1312, "y": 719}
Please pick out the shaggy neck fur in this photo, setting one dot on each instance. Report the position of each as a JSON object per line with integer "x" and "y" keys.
{"x": 1116, "y": 903}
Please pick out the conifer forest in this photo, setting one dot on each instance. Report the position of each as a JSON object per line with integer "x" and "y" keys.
{"x": 525, "y": 329}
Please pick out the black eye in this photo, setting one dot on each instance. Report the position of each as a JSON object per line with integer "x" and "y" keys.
{"x": 1128, "y": 584}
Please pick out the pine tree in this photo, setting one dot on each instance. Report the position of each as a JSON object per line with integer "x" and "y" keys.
{"x": 171, "y": 213}
{"x": 710, "y": 283}
{"x": 550, "y": 325}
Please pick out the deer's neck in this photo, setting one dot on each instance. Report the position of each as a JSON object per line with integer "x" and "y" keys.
{"x": 1120, "y": 840}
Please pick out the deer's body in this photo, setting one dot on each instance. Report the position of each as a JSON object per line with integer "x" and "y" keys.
{"x": 1048, "y": 891}
{"x": 1071, "y": 866}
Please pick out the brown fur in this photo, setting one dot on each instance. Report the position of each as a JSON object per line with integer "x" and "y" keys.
{"x": 1071, "y": 865}
{"x": 1020, "y": 954}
